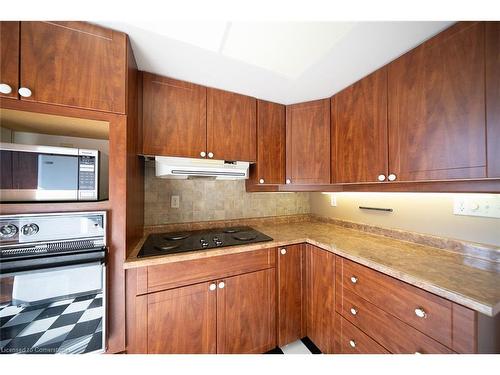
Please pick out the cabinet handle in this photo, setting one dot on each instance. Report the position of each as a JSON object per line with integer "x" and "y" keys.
{"x": 352, "y": 343}
{"x": 210, "y": 155}
{"x": 283, "y": 251}
{"x": 288, "y": 181}
{"x": 391, "y": 177}
{"x": 354, "y": 311}
{"x": 203, "y": 154}
{"x": 381, "y": 177}
{"x": 222, "y": 285}
{"x": 24, "y": 92}
{"x": 5, "y": 88}
{"x": 212, "y": 286}
{"x": 354, "y": 279}
{"x": 261, "y": 181}
{"x": 420, "y": 312}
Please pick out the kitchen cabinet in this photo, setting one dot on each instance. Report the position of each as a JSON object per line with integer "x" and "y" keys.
{"x": 74, "y": 64}
{"x": 174, "y": 117}
{"x": 246, "y": 315}
{"x": 231, "y": 126}
{"x": 320, "y": 286}
{"x": 351, "y": 340}
{"x": 291, "y": 293}
{"x": 493, "y": 97}
{"x": 359, "y": 131}
{"x": 9, "y": 59}
{"x": 270, "y": 165}
{"x": 183, "y": 320}
{"x": 308, "y": 142}
{"x": 436, "y": 104}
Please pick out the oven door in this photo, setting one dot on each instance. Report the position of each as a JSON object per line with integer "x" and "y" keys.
{"x": 53, "y": 310}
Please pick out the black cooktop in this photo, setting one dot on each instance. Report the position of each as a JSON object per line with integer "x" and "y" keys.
{"x": 179, "y": 242}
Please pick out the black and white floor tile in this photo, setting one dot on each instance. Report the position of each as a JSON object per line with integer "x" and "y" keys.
{"x": 69, "y": 326}
{"x": 302, "y": 346}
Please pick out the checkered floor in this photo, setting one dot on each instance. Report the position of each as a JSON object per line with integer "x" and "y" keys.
{"x": 69, "y": 326}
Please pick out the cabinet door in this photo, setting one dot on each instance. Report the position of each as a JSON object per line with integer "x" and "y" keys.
{"x": 9, "y": 58}
{"x": 359, "y": 130}
{"x": 270, "y": 166}
{"x": 308, "y": 142}
{"x": 493, "y": 97}
{"x": 320, "y": 281}
{"x": 183, "y": 320}
{"x": 74, "y": 64}
{"x": 231, "y": 126}
{"x": 174, "y": 117}
{"x": 291, "y": 282}
{"x": 246, "y": 321}
{"x": 437, "y": 108}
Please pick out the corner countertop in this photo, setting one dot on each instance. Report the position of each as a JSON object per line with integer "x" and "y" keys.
{"x": 468, "y": 280}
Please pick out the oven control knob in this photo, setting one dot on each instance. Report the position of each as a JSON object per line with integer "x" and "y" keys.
{"x": 8, "y": 231}
{"x": 29, "y": 229}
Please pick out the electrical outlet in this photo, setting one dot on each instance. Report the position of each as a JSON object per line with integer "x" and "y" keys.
{"x": 485, "y": 205}
{"x": 174, "y": 201}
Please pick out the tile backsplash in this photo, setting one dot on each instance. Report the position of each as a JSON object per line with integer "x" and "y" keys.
{"x": 205, "y": 199}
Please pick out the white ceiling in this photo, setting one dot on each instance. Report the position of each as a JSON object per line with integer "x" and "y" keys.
{"x": 284, "y": 62}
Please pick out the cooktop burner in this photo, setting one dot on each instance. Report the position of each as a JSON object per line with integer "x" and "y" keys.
{"x": 179, "y": 242}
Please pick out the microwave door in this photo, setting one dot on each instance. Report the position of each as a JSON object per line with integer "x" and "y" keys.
{"x": 57, "y": 177}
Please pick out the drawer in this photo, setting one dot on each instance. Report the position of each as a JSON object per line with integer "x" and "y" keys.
{"x": 172, "y": 275}
{"x": 390, "y": 332}
{"x": 422, "y": 310}
{"x": 350, "y": 340}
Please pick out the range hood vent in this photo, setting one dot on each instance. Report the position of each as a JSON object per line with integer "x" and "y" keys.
{"x": 183, "y": 168}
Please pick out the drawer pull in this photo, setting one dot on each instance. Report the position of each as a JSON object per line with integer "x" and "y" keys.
{"x": 212, "y": 286}
{"x": 354, "y": 279}
{"x": 352, "y": 343}
{"x": 354, "y": 311}
{"x": 283, "y": 251}
{"x": 222, "y": 285}
{"x": 420, "y": 312}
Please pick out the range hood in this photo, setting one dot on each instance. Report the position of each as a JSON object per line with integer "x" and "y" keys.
{"x": 182, "y": 168}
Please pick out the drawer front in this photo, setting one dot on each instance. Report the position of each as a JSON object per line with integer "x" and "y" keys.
{"x": 172, "y": 275}
{"x": 422, "y": 310}
{"x": 351, "y": 340}
{"x": 390, "y": 332}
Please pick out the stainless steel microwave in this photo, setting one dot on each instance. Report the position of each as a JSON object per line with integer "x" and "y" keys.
{"x": 46, "y": 173}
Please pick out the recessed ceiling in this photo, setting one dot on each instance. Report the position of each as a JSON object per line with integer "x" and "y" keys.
{"x": 284, "y": 62}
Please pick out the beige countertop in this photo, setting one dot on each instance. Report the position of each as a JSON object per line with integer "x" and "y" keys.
{"x": 469, "y": 280}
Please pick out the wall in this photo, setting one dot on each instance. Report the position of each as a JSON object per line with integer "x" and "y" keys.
{"x": 203, "y": 200}
{"x": 430, "y": 213}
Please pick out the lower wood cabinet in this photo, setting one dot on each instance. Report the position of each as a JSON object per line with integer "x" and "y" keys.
{"x": 351, "y": 340}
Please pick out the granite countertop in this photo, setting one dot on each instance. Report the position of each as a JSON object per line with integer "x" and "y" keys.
{"x": 466, "y": 279}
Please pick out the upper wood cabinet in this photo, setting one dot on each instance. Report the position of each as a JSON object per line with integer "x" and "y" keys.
{"x": 174, "y": 117}
{"x": 308, "y": 142}
{"x": 493, "y": 97}
{"x": 74, "y": 64}
{"x": 437, "y": 108}
{"x": 270, "y": 166}
{"x": 9, "y": 59}
{"x": 231, "y": 126}
{"x": 359, "y": 131}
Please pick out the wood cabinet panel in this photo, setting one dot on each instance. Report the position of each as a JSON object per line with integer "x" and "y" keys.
{"x": 320, "y": 286}
{"x": 246, "y": 314}
{"x": 493, "y": 97}
{"x": 400, "y": 299}
{"x": 359, "y": 130}
{"x": 291, "y": 293}
{"x": 231, "y": 125}
{"x": 351, "y": 340}
{"x": 183, "y": 320}
{"x": 74, "y": 64}
{"x": 308, "y": 142}
{"x": 270, "y": 166}
{"x": 436, "y": 107}
{"x": 174, "y": 117}
{"x": 390, "y": 332}
{"x": 9, "y": 57}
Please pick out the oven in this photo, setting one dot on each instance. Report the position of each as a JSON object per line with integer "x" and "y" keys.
{"x": 53, "y": 283}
